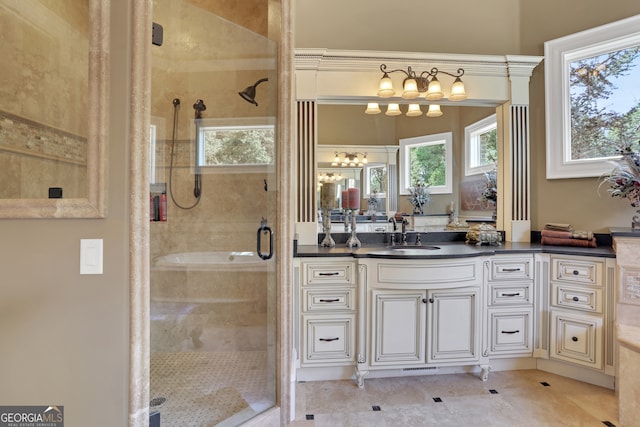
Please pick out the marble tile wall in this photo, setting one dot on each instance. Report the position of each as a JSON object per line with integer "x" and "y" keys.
{"x": 43, "y": 98}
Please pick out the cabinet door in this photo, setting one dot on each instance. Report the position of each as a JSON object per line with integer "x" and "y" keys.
{"x": 576, "y": 338}
{"x": 454, "y": 325}
{"x": 398, "y": 327}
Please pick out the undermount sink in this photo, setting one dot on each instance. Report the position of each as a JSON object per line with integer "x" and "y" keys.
{"x": 412, "y": 248}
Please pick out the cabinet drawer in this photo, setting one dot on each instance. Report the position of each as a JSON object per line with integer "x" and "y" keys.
{"x": 511, "y": 331}
{"x": 586, "y": 272}
{"x": 511, "y": 268}
{"x": 576, "y": 339}
{"x": 327, "y": 300}
{"x": 328, "y": 339}
{"x": 510, "y": 294}
{"x": 577, "y": 297}
{"x": 329, "y": 273}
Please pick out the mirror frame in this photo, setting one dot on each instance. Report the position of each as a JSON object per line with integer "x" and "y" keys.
{"x": 94, "y": 205}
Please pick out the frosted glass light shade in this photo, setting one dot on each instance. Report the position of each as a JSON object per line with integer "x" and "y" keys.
{"x": 410, "y": 89}
{"x": 434, "y": 111}
{"x": 458, "y": 92}
{"x": 372, "y": 108}
{"x": 434, "y": 91}
{"x": 393, "y": 110}
{"x": 385, "y": 90}
{"x": 414, "y": 110}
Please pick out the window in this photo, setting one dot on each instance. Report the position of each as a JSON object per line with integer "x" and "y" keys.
{"x": 427, "y": 160}
{"x": 592, "y": 88}
{"x": 243, "y": 143}
{"x": 375, "y": 179}
{"x": 480, "y": 140}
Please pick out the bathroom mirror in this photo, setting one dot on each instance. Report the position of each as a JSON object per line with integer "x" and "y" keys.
{"x": 53, "y": 109}
{"x": 340, "y": 122}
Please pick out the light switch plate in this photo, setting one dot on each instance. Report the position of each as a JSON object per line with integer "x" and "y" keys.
{"x": 90, "y": 256}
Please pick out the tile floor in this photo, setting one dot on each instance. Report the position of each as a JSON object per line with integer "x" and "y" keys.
{"x": 508, "y": 398}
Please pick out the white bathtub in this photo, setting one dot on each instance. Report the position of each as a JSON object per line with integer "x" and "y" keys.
{"x": 210, "y": 261}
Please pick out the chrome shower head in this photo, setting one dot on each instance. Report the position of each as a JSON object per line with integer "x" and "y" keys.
{"x": 249, "y": 94}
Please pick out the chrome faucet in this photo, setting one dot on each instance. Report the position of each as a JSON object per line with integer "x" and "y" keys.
{"x": 395, "y": 224}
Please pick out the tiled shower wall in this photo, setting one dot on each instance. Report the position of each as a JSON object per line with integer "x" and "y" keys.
{"x": 43, "y": 98}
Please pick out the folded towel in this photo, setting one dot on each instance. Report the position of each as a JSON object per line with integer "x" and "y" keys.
{"x": 557, "y": 234}
{"x": 582, "y": 235}
{"x": 558, "y": 227}
{"x": 557, "y": 241}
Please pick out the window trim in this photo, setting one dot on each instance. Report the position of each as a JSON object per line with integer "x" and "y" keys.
{"x": 445, "y": 138}
{"x": 367, "y": 178}
{"x": 558, "y": 54}
{"x": 471, "y": 138}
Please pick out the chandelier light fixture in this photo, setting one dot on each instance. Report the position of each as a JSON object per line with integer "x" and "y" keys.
{"x": 413, "y": 86}
{"x": 345, "y": 159}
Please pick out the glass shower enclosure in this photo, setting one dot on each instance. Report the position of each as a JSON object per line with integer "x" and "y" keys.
{"x": 212, "y": 201}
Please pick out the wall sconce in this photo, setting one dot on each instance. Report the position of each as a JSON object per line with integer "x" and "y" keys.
{"x": 329, "y": 177}
{"x": 350, "y": 159}
{"x": 415, "y": 84}
{"x": 414, "y": 110}
{"x": 426, "y": 82}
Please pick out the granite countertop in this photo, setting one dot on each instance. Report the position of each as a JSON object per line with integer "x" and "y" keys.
{"x": 450, "y": 249}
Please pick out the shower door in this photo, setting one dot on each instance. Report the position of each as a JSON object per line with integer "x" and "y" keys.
{"x": 212, "y": 204}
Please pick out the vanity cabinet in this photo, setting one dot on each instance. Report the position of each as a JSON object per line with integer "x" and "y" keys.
{"x": 409, "y": 327}
{"x": 510, "y": 305}
{"x": 421, "y": 314}
{"x": 577, "y": 315}
{"x": 327, "y": 306}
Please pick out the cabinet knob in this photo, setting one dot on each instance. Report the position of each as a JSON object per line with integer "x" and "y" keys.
{"x": 576, "y": 299}
{"x": 431, "y": 300}
{"x": 576, "y": 272}
{"x": 574, "y": 339}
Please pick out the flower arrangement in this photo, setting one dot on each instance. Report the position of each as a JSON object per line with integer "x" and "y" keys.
{"x": 418, "y": 197}
{"x": 490, "y": 192}
{"x": 624, "y": 179}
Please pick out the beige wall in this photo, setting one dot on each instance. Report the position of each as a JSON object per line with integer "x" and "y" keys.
{"x": 65, "y": 336}
{"x": 496, "y": 27}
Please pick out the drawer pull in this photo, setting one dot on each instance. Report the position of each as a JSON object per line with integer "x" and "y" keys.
{"x": 511, "y": 295}
{"x": 574, "y": 339}
{"x": 510, "y": 270}
{"x": 328, "y": 274}
{"x": 511, "y": 332}
{"x": 329, "y": 339}
{"x": 330, "y": 300}
{"x": 576, "y": 272}
{"x": 576, "y": 299}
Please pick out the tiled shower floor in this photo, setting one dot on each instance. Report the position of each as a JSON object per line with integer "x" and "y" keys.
{"x": 509, "y": 398}
{"x": 204, "y": 388}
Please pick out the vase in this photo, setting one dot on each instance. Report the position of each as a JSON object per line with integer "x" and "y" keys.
{"x": 635, "y": 221}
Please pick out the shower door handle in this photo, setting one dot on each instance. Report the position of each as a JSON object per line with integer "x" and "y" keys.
{"x": 265, "y": 229}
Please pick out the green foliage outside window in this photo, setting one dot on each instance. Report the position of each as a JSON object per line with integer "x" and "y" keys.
{"x": 428, "y": 165}
{"x": 597, "y": 129}
{"x": 251, "y": 146}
